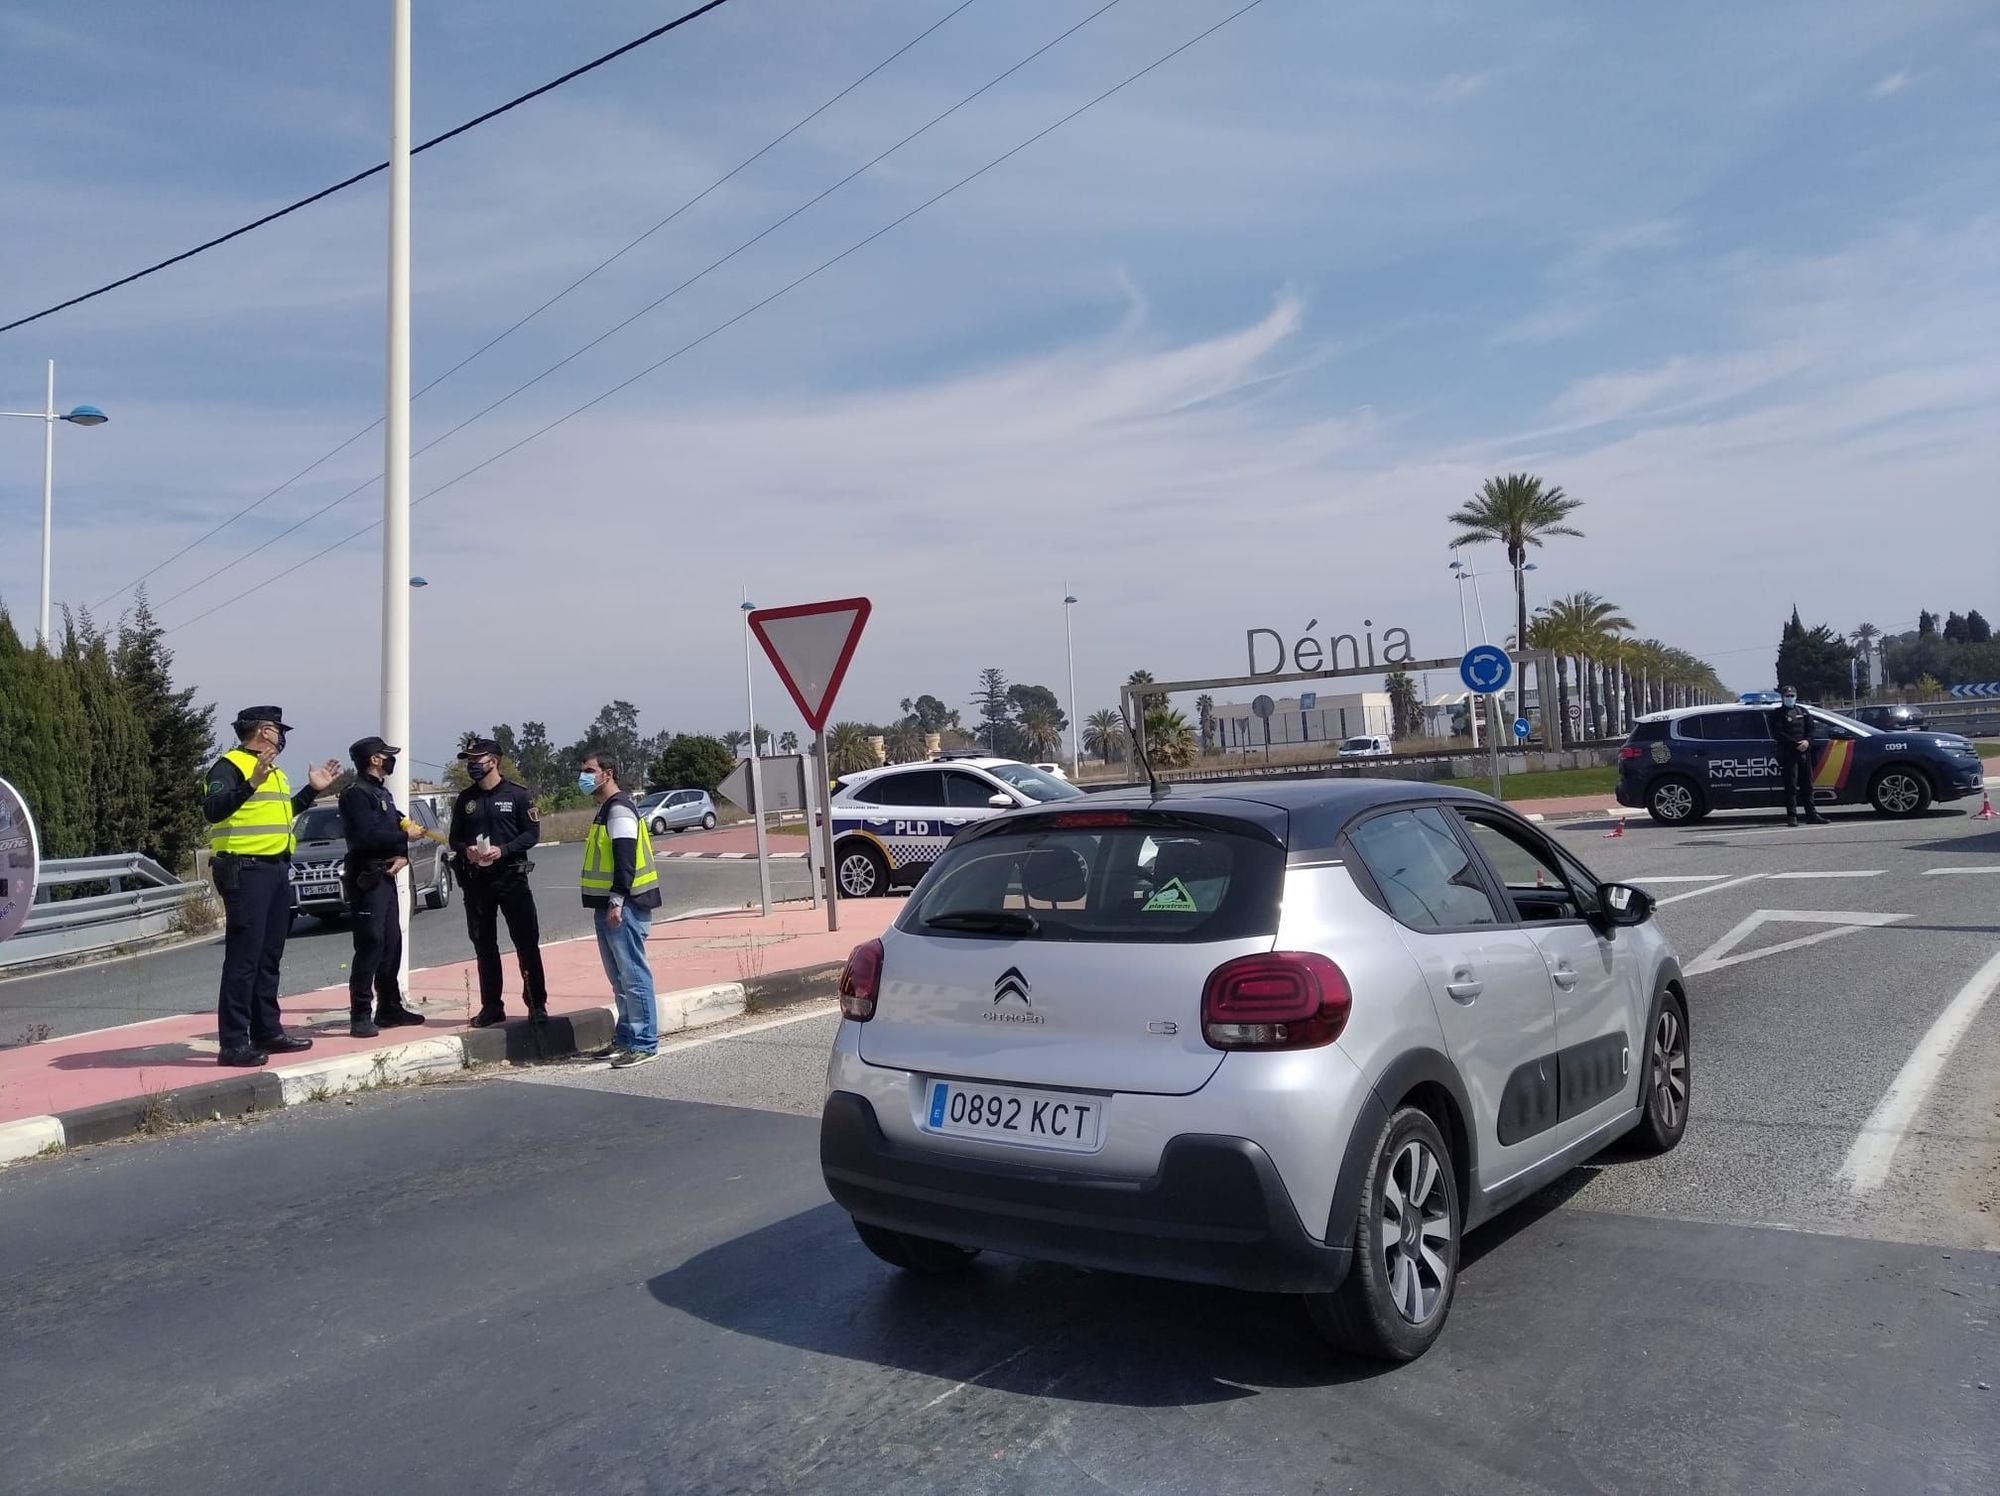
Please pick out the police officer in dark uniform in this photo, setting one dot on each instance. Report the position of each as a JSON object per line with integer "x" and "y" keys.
{"x": 377, "y": 850}
{"x": 494, "y": 825}
{"x": 249, "y": 806}
{"x": 1791, "y": 737}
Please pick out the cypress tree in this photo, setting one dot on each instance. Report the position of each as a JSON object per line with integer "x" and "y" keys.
{"x": 179, "y": 735}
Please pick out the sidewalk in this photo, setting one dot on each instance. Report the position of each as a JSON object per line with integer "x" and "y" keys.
{"x": 92, "y": 1087}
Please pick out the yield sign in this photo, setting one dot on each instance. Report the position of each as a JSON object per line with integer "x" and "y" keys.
{"x": 1833, "y": 922}
{"x": 810, "y": 645}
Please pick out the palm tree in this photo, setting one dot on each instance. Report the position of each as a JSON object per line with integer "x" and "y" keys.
{"x": 1864, "y": 640}
{"x": 905, "y": 741}
{"x": 1104, "y": 734}
{"x": 1042, "y": 729}
{"x": 1516, "y": 512}
{"x": 1169, "y": 740}
{"x": 1581, "y": 626}
{"x": 788, "y": 742}
{"x": 1204, "y": 715}
{"x": 848, "y": 750}
{"x": 1145, "y": 678}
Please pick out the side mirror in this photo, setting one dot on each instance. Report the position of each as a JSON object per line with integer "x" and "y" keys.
{"x": 1001, "y": 802}
{"x": 1625, "y": 905}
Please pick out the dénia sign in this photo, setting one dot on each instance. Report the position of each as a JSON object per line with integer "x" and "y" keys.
{"x": 1336, "y": 652}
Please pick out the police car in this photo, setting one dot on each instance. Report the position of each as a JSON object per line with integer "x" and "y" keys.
{"x": 890, "y": 825}
{"x": 1681, "y": 765}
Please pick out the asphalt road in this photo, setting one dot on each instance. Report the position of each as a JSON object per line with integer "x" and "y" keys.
{"x": 575, "y": 1279}
{"x": 183, "y": 978}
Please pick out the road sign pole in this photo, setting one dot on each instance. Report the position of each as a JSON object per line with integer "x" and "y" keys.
{"x": 1493, "y": 740}
{"x": 756, "y": 777}
{"x": 826, "y": 832}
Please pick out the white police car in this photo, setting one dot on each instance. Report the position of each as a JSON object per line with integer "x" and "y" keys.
{"x": 890, "y": 825}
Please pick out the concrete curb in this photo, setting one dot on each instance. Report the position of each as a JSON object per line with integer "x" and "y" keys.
{"x": 240, "y": 1093}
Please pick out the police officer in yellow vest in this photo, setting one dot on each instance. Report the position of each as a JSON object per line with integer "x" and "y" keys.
{"x": 621, "y": 882}
{"x": 249, "y": 806}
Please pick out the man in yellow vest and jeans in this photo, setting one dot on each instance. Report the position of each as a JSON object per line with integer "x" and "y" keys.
{"x": 249, "y": 806}
{"x": 622, "y": 884}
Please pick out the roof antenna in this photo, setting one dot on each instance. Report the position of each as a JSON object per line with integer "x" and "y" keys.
{"x": 1138, "y": 742}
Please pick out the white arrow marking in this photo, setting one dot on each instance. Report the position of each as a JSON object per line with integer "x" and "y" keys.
{"x": 1876, "y": 873}
{"x": 1695, "y": 893}
{"x": 1843, "y": 921}
{"x": 1874, "y": 1148}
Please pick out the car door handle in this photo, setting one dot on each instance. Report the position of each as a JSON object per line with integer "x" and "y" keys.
{"x": 1463, "y": 986}
{"x": 1564, "y": 977}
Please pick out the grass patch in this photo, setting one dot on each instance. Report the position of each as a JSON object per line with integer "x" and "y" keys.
{"x": 1987, "y": 748}
{"x": 1550, "y": 784}
{"x": 159, "y": 1117}
{"x": 197, "y": 914}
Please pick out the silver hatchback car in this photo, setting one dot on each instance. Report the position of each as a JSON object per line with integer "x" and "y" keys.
{"x": 1291, "y": 1037}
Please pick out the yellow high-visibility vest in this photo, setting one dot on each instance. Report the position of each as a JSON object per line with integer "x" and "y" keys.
{"x": 262, "y": 825}
{"x": 598, "y": 864}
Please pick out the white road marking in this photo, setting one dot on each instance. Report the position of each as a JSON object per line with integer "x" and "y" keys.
{"x": 1952, "y": 872}
{"x": 811, "y": 1010}
{"x": 1681, "y": 878}
{"x": 1844, "y": 922}
{"x": 1695, "y": 893}
{"x": 1874, "y": 1148}
{"x": 1846, "y": 873}
{"x": 953, "y": 1391}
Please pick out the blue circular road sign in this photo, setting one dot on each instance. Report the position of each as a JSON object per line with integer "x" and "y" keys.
{"x": 1485, "y": 669}
{"x": 1521, "y": 727}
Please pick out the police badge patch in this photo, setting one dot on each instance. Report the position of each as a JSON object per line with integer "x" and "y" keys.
{"x": 534, "y": 814}
{"x": 1662, "y": 753}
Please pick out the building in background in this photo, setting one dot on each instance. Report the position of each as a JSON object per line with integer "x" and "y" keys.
{"x": 1329, "y": 719}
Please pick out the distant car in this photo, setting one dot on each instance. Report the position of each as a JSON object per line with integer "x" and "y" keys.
{"x": 1054, "y": 771}
{"x": 1365, "y": 748}
{"x": 321, "y": 857}
{"x": 1295, "y": 1038}
{"x": 1890, "y": 718}
{"x": 890, "y": 825}
{"x": 677, "y": 810}
{"x": 1681, "y": 765}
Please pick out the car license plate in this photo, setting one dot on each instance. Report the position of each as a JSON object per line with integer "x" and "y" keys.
{"x": 314, "y": 892}
{"x": 1039, "y": 1119}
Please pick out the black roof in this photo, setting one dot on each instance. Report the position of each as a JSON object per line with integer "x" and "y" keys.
{"x": 1307, "y": 814}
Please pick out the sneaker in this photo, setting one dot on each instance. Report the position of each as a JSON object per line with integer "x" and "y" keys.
{"x": 626, "y": 1059}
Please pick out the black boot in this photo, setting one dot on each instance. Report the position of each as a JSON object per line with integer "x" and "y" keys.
{"x": 243, "y": 1057}
{"x": 395, "y": 1015}
{"x": 489, "y": 1018}
{"x": 359, "y": 1025}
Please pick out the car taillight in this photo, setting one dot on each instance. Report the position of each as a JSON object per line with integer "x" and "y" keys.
{"x": 1631, "y": 750}
{"x": 1285, "y": 1000}
{"x": 861, "y": 982}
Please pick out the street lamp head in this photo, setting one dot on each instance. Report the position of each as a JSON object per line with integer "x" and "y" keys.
{"x": 1068, "y": 598}
{"x": 420, "y": 581}
{"x": 746, "y": 606}
{"x": 86, "y": 415}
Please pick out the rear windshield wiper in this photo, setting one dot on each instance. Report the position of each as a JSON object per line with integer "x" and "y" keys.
{"x": 986, "y": 921}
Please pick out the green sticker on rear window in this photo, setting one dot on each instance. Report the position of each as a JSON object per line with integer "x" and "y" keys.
{"x": 1172, "y": 899}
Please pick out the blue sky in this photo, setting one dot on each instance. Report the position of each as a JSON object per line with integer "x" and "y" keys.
{"x": 1219, "y": 354}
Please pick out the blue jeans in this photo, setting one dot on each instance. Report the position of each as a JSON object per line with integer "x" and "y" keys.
{"x": 624, "y": 953}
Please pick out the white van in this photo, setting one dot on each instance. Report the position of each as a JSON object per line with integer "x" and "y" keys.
{"x": 1365, "y": 748}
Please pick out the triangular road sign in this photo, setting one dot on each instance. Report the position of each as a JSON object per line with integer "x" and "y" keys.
{"x": 1838, "y": 921}
{"x": 735, "y": 786}
{"x": 810, "y": 645}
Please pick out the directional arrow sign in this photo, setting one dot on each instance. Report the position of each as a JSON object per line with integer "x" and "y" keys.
{"x": 810, "y": 646}
{"x": 1983, "y": 688}
{"x": 1834, "y": 922}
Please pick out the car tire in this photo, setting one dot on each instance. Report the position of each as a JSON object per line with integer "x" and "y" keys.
{"x": 1394, "y": 1303}
{"x": 658, "y": 827}
{"x": 438, "y": 895}
{"x": 708, "y": 821}
{"x": 1663, "y": 1117}
{"x": 1673, "y": 800}
{"x": 1900, "y": 792}
{"x": 914, "y": 1254}
{"x": 863, "y": 872}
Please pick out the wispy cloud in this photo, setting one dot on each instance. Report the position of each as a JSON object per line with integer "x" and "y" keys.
{"x": 1895, "y": 83}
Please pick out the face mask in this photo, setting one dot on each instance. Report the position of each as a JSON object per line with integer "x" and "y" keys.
{"x": 480, "y": 770}
{"x": 587, "y": 783}
{"x": 1791, "y": 701}
{"x": 281, "y": 740}
{"x": 388, "y": 766}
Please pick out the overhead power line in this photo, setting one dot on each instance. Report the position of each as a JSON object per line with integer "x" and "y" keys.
{"x": 748, "y": 311}
{"x": 515, "y": 327}
{"x": 661, "y": 300}
{"x": 361, "y": 176}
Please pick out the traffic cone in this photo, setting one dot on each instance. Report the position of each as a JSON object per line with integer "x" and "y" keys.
{"x": 1617, "y": 830}
{"x": 1985, "y": 812}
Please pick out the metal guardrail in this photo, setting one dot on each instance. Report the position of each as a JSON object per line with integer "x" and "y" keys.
{"x": 141, "y": 904}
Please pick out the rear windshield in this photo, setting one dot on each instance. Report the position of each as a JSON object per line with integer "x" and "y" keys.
{"x": 319, "y": 825}
{"x": 1033, "y": 783}
{"x": 1649, "y": 732}
{"x": 1137, "y": 884}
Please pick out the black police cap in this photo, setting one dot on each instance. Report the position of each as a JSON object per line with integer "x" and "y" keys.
{"x": 478, "y": 746}
{"x": 367, "y": 748}
{"x": 264, "y": 714}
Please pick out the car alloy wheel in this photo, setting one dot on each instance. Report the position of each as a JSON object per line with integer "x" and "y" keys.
{"x": 708, "y": 821}
{"x": 863, "y": 874}
{"x": 1669, "y": 1077}
{"x": 1417, "y": 1232}
{"x": 1672, "y": 801}
{"x": 659, "y": 827}
{"x": 1900, "y": 792}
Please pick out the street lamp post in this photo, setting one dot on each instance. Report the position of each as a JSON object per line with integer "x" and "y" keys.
{"x": 1464, "y": 574}
{"x": 396, "y": 588}
{"x": 1075, "y": 726}
{"x": 48, "y": 415}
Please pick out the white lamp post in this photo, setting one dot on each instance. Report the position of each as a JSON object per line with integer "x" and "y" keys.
{"x": 1075, "y": 726}
{"x": 48, "y": 415}
{"x": 396, "y": 579}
